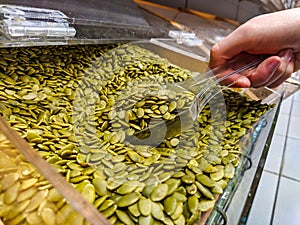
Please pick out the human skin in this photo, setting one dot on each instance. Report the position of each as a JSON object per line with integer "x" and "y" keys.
{"x": 275, "y": 34}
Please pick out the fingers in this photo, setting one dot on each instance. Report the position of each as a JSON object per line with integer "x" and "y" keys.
{"x": 283, "y": 74}
{"x": 244, "y": 39}
{"x": 271, "y": 72}
{"x": 274, "y": 70}
{"x": 222, "y": 51}
{"x": 239, "y": 79}
{"x": 264, "y": 72}
{"x": 236, "y": 80}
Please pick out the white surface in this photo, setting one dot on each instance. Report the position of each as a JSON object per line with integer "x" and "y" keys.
{"x": 275, "y": 154}
{"x": 294, "y": 129}
{"x": 287, "y": 210}
{"x": 264, "y": 200}
{"x": 284, "y": 154}
{"x": 281, "y": 125}
{"x": 291, "y": 165}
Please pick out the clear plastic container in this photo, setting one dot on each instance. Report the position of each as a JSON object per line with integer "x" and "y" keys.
{"x": 71, "y": 107}
{"x": 27, "y": 197}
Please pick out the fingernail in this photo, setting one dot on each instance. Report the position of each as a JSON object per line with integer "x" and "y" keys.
{"x": 273, "y": 65}
{"x": 243, "y": 82}
{"x": 286, "y": 54}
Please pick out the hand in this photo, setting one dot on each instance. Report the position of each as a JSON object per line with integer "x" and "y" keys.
{"x": 275, "y": 34}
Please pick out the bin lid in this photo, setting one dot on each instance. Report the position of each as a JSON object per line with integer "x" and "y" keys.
{"x": 24, "y": 23}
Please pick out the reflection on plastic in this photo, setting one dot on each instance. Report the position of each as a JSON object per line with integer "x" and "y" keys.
{"x": 34, "y": 22}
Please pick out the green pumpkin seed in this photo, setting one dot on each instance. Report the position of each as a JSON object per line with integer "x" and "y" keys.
{"x": 48, "y": 216}
{"x": 178, "y": 211}
{"x": 134, "y": 210}
{"x": 205, "y": 191}
{"x": 180, "y": 197}
{"x": 140, "y": 113}
{"x": 157, "y": 211}
{"x": 89, "y": 193}
{"x": 146, "y": 220}
{"x": 180, "y": 220}
{"x": 188, "y": 179}
{"x": 50, "y": 127}
{"x": 172, "y": 106}
{"x": 27, "y": 194}
{"x": 159, "y": 192}
{"x": 205, "y": 180}
{"x": 152, "y": 159}
{"x": 164, "y": 177}
{"x": 217, "y": 175}
{"x": 36, "y": 200}
{"x": 123, "y": 217}
{"x": 134, "y": 156}
{"x": 98, "y": 202}
{"x": 34, "y": 218}
{"x": 54, "y": 195}
{"x": 9, "y": 180}
{"x": 100, "y": 186}
{"x": 174, "y": 142}
{"x": 19, "y": 219}
{"x": 144, "y": 206}
{"x": 19, "y": 209}
{"x": 170, "y": 204}
{"x": 107, "y": 204}
{"x": 229, "y": 171}
{"x": 205, "y": 205}
{"x": 191, "y": 189}
{"x": 11, "y": 193}
{"x": 128, "y": 187}
{"x": 193, "y": 204}
{"x": 128, "y": 199}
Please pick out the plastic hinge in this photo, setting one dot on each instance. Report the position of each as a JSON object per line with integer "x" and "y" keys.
{"x": 19, "y": 21}
{"x": 184, "y": 37}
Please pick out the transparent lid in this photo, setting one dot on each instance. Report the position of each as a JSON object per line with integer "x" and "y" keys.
{"x": 24, "y": 23}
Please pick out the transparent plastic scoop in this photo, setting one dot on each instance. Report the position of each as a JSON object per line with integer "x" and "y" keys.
{"x": 205, "y": 87}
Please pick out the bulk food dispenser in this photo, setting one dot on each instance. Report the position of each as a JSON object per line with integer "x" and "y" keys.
{"x": 77, "y": 79}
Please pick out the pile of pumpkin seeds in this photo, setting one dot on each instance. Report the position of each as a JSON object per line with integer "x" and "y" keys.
{"x": 26, "y": 196}
{"x": 77, "y": 105}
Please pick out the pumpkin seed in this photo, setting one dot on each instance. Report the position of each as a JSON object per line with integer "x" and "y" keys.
{"x": 157, "y": 211}
{"x": 36, "y": 200}
{"x": 89, "y": 192}
{"x": 110, "y": 211}
{"x": 205, "y": 205}
{"x": 134, "y": 210}
{"x": 144, "y": 206}
{"x": 193, "y": 204}
{"x": 127, "y": 187}
{"x": 9, "y": 179}
{"x": 124, "y": 217}
{"x": 100, "y": 186}
{"x": 48, "y": 216}
{"x": 146, "y": 220}
{"x": 205, "y": 180}
{"x": 205, "y": 191}
{"x": 107, "y": 204}
{"x": 128, "y": 199}
{"x": 79, "y": 125}
{"x": 178, "y": 211}
{"x": 11, "y": 193}
{"x": 159, "y": 192}
{"x": 170, "y": 204}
